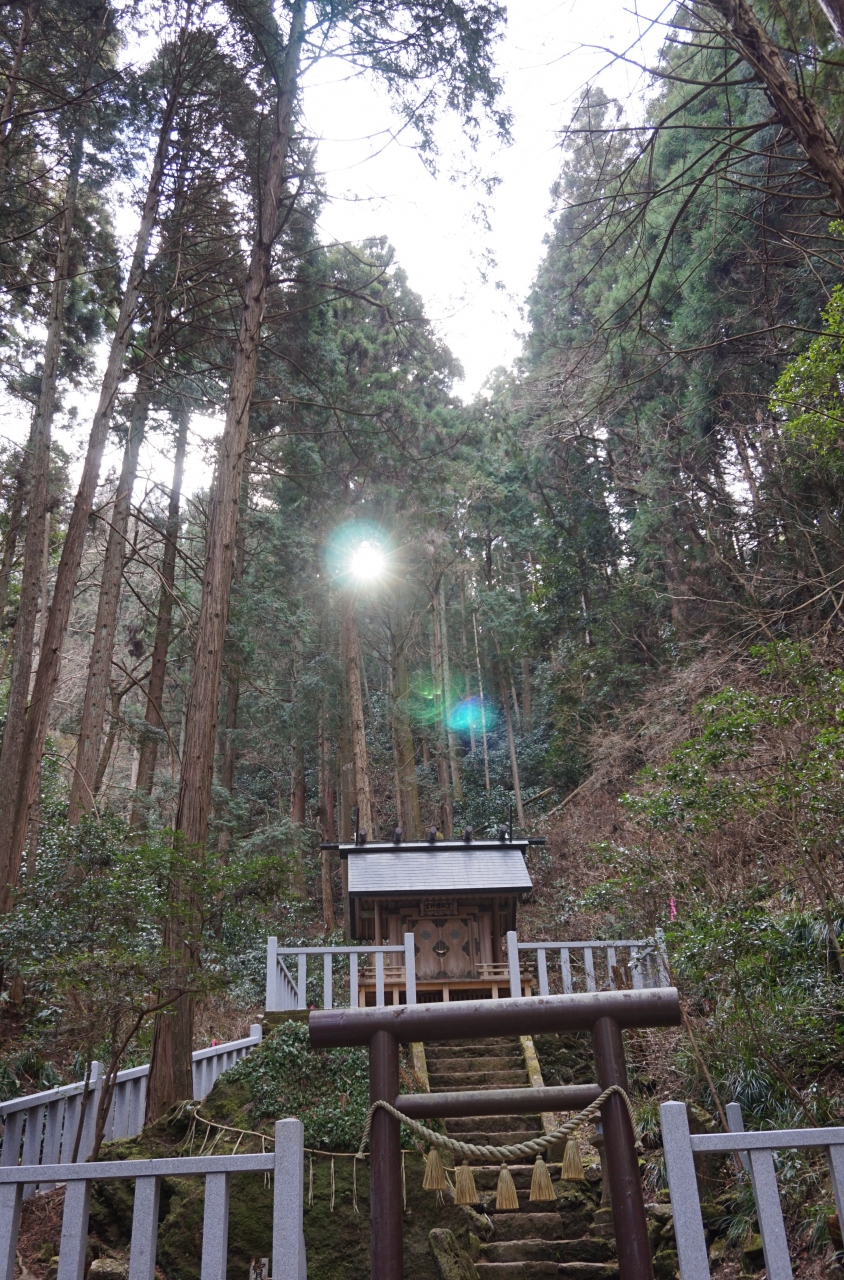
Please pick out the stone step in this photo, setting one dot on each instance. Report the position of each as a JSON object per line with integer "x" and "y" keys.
{"x": 457, "y": 1048}
{"x": 474, "y": 1079}
{"x": 478, "y": 1062}
{"x": 585, "y": 1250}
{"x": 501, "y": 1124}
{"x": 535, "y": 1269}
{"x": 527, "y": 1226}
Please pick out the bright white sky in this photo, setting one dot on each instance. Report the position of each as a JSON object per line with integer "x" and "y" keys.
{"x": 430, "y": 221}
{"x": 545, "y": 59}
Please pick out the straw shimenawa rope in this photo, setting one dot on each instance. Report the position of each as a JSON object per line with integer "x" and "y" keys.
{"x": 518, "y": 1151}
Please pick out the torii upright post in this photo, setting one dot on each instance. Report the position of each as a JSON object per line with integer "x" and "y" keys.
{"x": 604, "y": 1013}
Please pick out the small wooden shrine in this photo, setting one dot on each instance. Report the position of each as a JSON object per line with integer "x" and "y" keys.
{"x": 458, "y": 899}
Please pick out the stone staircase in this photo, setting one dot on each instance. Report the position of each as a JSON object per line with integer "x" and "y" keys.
{"x": 540, "y": 1239}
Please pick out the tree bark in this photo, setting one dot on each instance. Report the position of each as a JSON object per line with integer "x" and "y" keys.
{"x": 201, "y": 724}
{"x": 12, "y": 834}
{"x": 170, "y": 1068}
{"x": 82, "y": 788}
{"x": 14, "y": 817}
{"x": 155, "y": 689}
{"x": 453, "y": 756}
{"x": 407, "y": 791}
{"x": 357, "y": 725}
{"x": 483, "y": 703}
{"x": 13, "y": 75}
{"x": 328, "y": 827}
{"x": 511, "y": 739}
{"x": 834, "y": 10}
{"x": 798, "y": 113}
{"x": 11, "y": 542}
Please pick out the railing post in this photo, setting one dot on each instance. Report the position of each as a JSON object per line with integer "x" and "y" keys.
{"x": 11, "y": 1201}
{"x": 215, "y": 1227}
{"x": 74, "y": 1237}
{"x": 288, "y": 1201}
{"x": 95, "y": 1088}
{"x": 542, "y": 970}
{"x": 410, "y": 968}
{"x": 766, "y": 1194}
{"x": 513, "y": 963}
{"x": 271, "y": 1003}
{"x": 379, "y": 978}
{"x": 326, "y": 981}
{"x": 256, "y": 1032}
{"x": 144, "y": 1229}
{"x": 682, "y": 1184}
{"x": 302, "y": 981}
{"x": 353, "y": 980}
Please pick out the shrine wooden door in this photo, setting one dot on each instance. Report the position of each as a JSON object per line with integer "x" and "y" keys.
{"x": 445, "y": 947}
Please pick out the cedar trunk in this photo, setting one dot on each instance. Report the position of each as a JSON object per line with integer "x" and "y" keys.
{"x": 171, "y": 1062}
{"x": 403, "y": 753}
{"x": 12, "y": 836}
{"x": 357, "y": 724}
{"x": 83, "y": 789}
{"x": 158, "y": 670}
{"x": 14, "y": 817}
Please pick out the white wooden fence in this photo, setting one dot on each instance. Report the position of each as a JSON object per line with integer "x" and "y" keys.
{"x": 286, "y": 1165}
{"x": 757, "y": 1153}
{"x": 571, "y": 966}
{"x": 41, "y": 1128}
{"x": 283, "y": 992}
{"x": 591, "y": 966}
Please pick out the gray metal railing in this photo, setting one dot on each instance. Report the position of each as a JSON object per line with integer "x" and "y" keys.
{"x": 590, "y": 966}
{"x": 757, "y": 1153}
{"x": 42, "y": 1128}
{"x": 286, "y": 993}
{"x": 286, "y": 1164}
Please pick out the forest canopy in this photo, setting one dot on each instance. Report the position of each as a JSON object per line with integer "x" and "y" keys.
{"x": 601, "y": 599}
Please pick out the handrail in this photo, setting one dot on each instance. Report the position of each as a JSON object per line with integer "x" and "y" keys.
{"x": 756, "y": 1149}
{"x": 286, "y": 1164}
{"x": 41, "y": 1128}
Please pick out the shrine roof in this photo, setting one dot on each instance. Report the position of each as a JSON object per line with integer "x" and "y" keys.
{"x": 443, "y": 868}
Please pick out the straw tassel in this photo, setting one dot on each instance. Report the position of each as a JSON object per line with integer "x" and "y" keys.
{"x": 464, "y": 1185}
{"x": 572, "y": 1166}
{"x": 541, "y": 1187}
{"x": 434, "y": 1179}
{"x": 506, "y": 1197}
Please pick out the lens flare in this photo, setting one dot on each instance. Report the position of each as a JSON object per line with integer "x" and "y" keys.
{"x": 367, "y": 562}
{"x": 358, "y": 554}
{"x": 471, "y": 714}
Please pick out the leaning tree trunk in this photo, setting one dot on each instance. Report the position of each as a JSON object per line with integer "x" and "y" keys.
{"x": 12, "y": 838}
{"x": 14, "y": 817}
{"x": 82, "y": 789}
{"x": 171, "y": 1061}
{"x": 158, "y": 668}
{"x": 799, "y": 113}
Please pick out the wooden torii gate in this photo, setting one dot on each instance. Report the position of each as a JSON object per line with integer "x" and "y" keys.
{"x": 603, "y": 1013}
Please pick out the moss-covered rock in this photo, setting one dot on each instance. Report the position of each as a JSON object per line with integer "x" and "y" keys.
{"x": 326, "y": 1091}
{"x": 453, "y": 1262}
